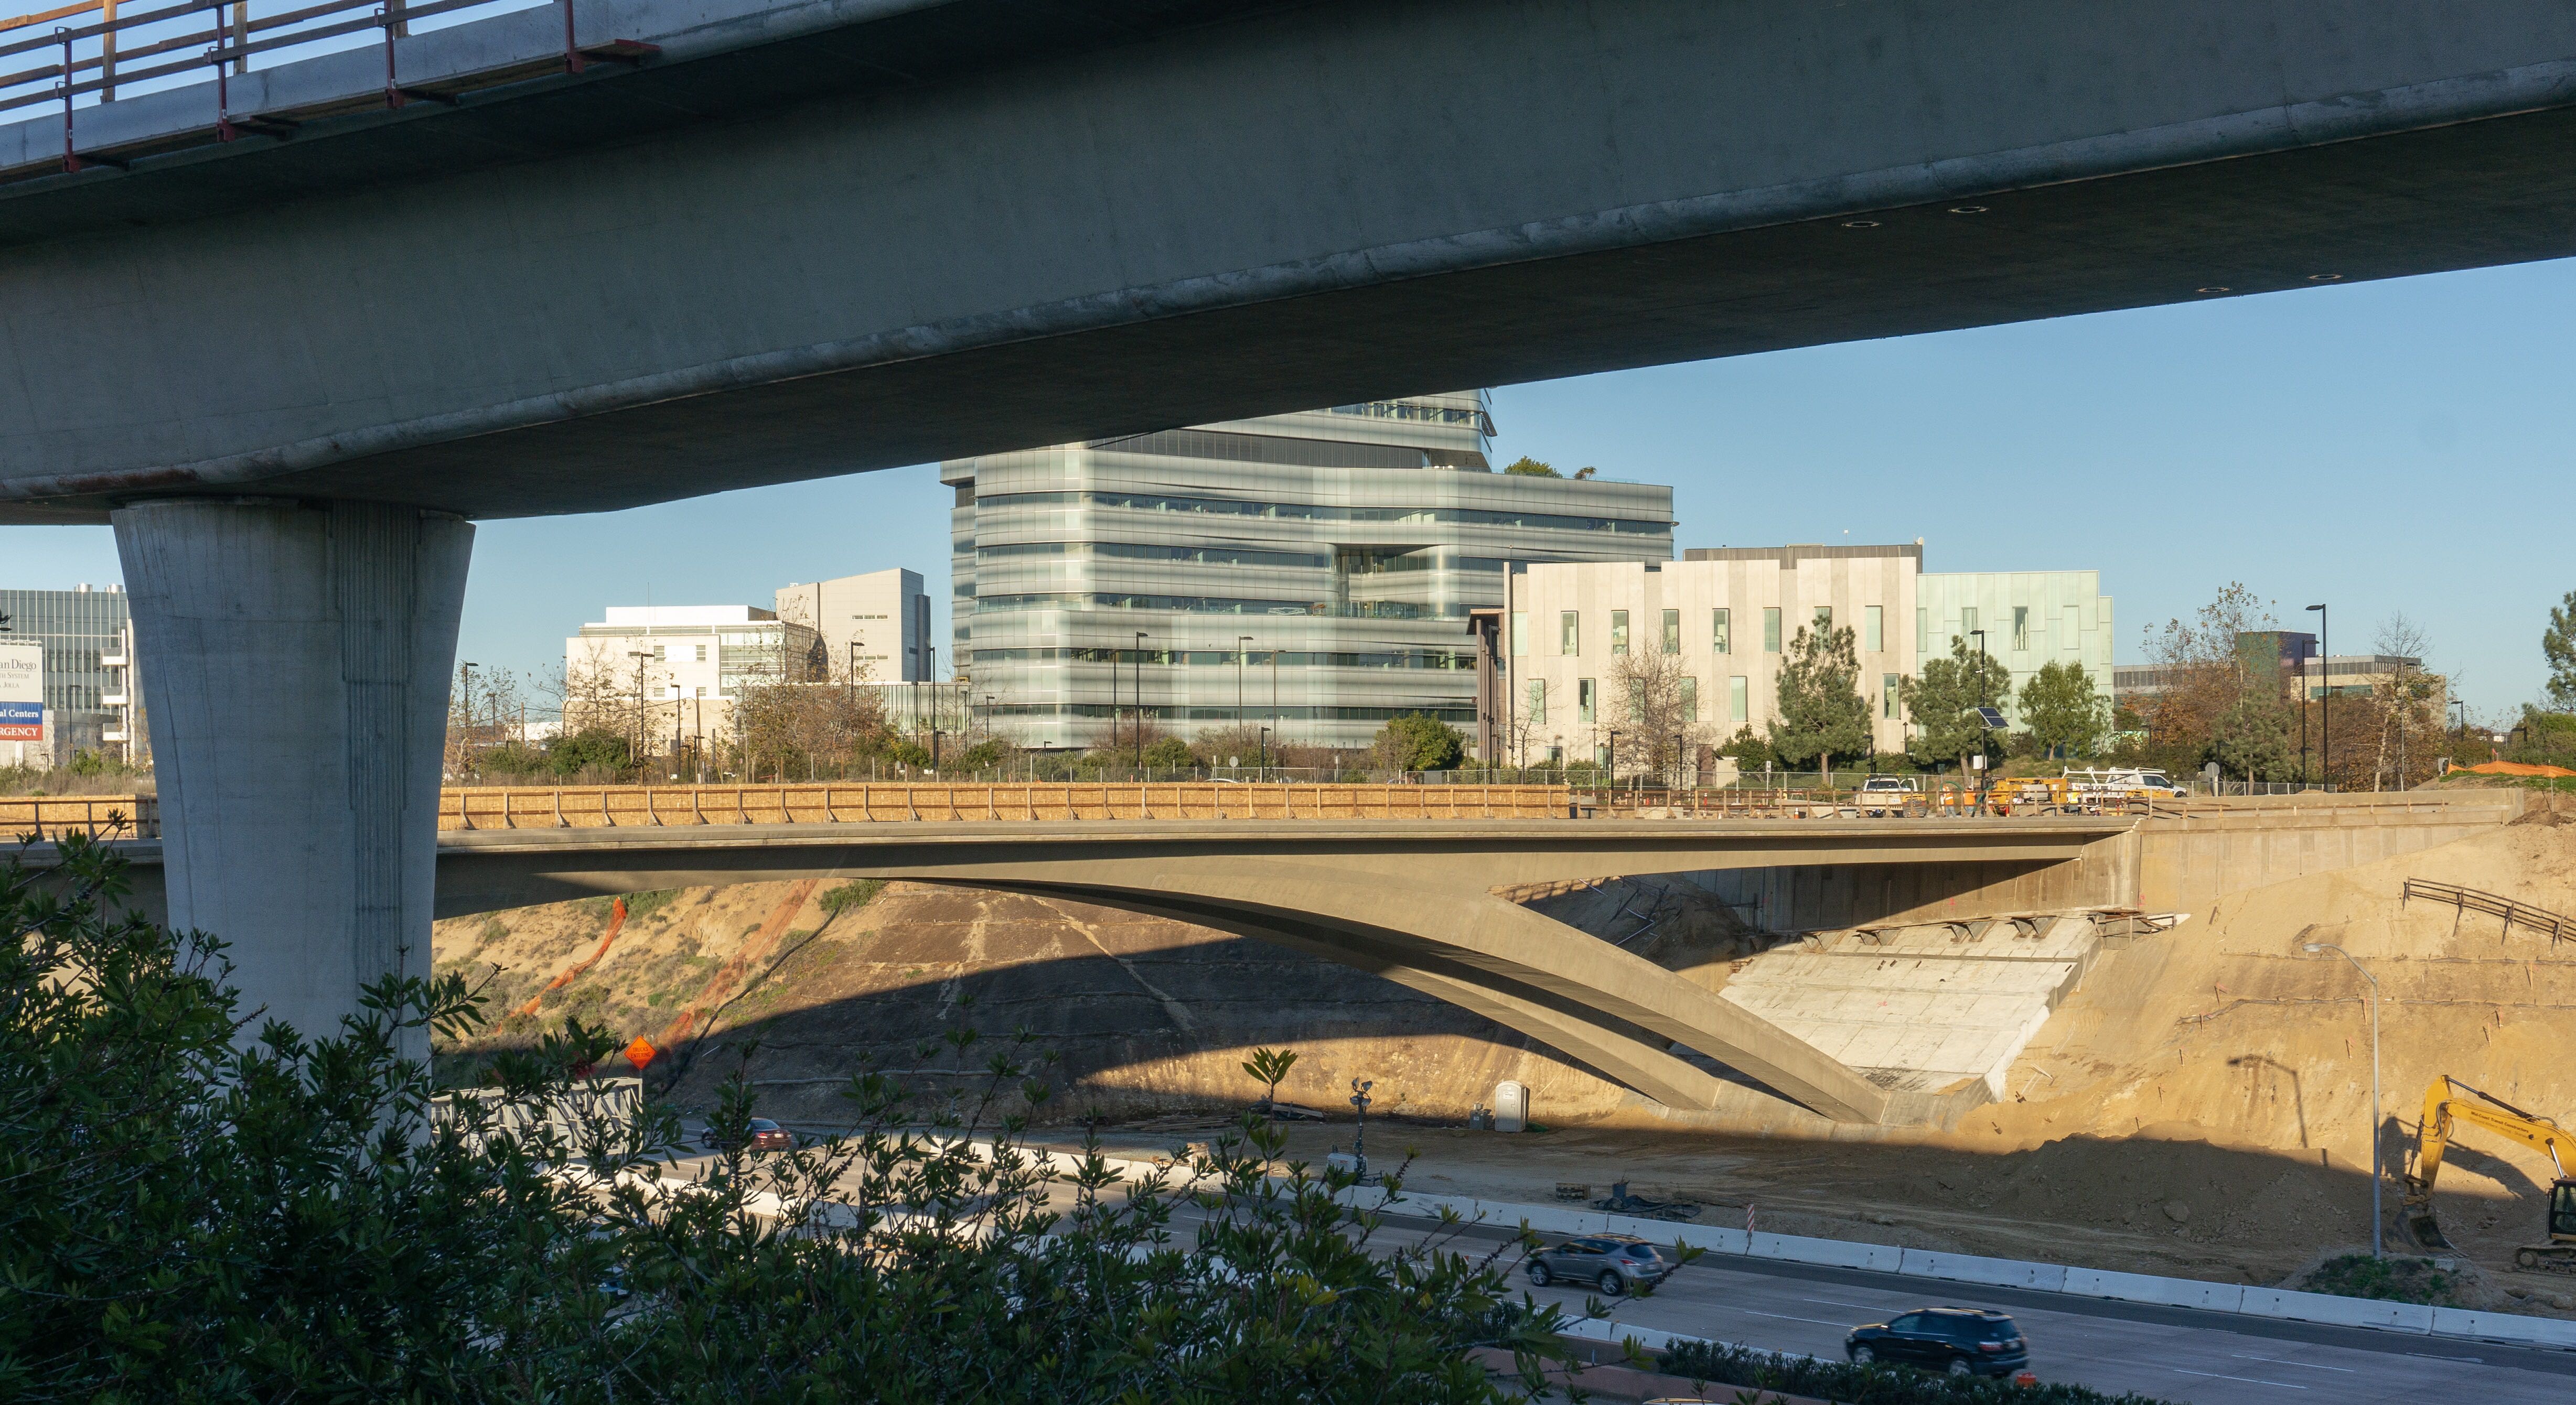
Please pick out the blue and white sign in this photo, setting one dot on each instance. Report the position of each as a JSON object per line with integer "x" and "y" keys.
{"x": 22, "y": 690}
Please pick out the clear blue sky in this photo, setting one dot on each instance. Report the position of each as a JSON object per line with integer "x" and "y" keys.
{"x": 2402, "y": 445}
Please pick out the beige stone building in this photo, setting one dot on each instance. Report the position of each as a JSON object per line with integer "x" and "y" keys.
{"x": 1730, "y": 616}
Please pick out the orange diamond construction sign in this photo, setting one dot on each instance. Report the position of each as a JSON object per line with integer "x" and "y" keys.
{"x": 640, "y": 1052}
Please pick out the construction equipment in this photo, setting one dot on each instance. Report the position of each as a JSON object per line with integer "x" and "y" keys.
{"x": 2444, "y": 1105}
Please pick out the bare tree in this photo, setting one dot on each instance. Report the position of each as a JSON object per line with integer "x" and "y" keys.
{"x": 1657, "y": 704}
{"x": 2406, "y": 707}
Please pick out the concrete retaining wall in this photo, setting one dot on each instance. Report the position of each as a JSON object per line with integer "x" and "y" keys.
{"x": 2170, "y": 863}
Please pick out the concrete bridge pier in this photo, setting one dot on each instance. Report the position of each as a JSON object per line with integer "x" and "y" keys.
{"x": 297, "y": 700}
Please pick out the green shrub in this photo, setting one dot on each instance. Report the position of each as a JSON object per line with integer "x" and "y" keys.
{"x": 194, "y": 1216}
{"x": 850, "y": 896}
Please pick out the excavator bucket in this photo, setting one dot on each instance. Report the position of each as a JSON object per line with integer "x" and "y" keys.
{"x": 2423, "y": 1229}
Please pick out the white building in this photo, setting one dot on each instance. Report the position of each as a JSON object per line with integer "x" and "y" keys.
{"x": 1731, "y": 615}
{"x": 693, "y": 654}
{"x": 879, "y": 622}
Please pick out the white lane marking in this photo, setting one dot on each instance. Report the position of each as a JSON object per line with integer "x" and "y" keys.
{"x": 2279, "y": 1361}
{"x": 2436, "y": 1356}
{"x": 2249, "y": 1380}
{"x": 1836, "y": 1302}
{"x": 1786, "y": 1317}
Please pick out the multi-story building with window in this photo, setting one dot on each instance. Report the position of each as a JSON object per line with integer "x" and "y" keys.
{"x": 91, "y": 697}
{"x": 1730, "y": 617}
{"x": 685, "y": 662}
{"x": 1308, "y": 572}
{"x": 875, "y": 627}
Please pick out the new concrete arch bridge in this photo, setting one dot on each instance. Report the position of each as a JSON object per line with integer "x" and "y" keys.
{"x": 292, "y": 333}
{"x": 1417, "y": 902}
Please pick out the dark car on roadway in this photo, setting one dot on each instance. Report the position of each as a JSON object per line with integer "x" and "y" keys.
{"x": 1613, "y": 1263}
{"x": 761, "y": 1135}
{"x": 1957, "y": 1341}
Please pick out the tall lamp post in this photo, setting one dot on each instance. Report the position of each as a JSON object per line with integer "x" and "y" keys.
{"x": 1140, "y": 697}
{"x": 1984, "y": 699}
{"x": 1242, "y": 660}
{"x": 639, "y": 655}
{"x": 2325, "y": 708}
{"x": 466, "y": 741}
{"x": 2312, "y": 948}
{"x": 2303, "y": 716}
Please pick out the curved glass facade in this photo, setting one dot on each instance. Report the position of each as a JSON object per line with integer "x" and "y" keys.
{"x": 1311, "y": 572}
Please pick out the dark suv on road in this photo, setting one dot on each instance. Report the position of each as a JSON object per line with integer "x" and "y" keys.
{"x": 1613, "y": 1263}
{"x": 1958, "y": 1341}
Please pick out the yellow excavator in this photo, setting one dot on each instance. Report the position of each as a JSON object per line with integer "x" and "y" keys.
{"x": 2444, "y": 1105}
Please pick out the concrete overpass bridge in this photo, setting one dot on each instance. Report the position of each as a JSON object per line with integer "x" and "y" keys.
{"x": 1415, "y": 901}
{"x": 794, "y": 238}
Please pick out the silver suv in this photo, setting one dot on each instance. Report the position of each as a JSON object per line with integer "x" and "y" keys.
{"x": 1613, "y": 1263}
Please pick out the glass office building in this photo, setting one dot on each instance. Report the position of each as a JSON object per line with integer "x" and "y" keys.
{"x": 88, "y": 636}
{"x": 1309, "y": 572}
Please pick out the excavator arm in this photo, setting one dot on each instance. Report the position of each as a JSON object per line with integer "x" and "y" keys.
{"x": 2445, "y": 1109}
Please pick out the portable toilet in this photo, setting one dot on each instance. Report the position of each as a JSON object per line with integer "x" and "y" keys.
{"x": 1511, "y": 1108}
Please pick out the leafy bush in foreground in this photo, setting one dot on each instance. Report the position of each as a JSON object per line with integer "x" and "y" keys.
{"x": 185, "y": 1217}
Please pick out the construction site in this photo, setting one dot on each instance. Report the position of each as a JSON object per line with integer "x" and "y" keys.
{"x": 2179, "y": 1086}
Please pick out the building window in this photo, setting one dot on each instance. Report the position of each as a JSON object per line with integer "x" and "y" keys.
{"x": 1721, "y": 631}
{"x": 1618, "y": 632}
{"x": 1889, "y": 688}
{"x": 1583, "y": 709}
{"x": 1569, "y": 633}
{"x": 1967, "y": 620}
{"x": 1601, "y": 755}
{"x": 1672, "y": 631}
{"x": 1824, "y": 619}
{"x": 1520, "y": 634}
{"x": 2074, "y": 629}
{"x": 1922, "y": 632}
{"x": 1690, "y": 698}
{"x": 1770, "y": 629}
{"x": 1538, "y": 702}
{"x": 1739, "y": 699}
{"x": 2021, "y": 628}
{"x": 1873, "y": 624}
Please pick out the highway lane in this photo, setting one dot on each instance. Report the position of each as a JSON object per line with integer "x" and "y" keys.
{"x": 2177, "y": 1354}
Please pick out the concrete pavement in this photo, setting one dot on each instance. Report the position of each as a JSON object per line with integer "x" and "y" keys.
{"x": 2177, "y": 1354}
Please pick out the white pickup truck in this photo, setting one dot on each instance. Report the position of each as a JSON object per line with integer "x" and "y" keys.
{"x": 1882, "y": 795}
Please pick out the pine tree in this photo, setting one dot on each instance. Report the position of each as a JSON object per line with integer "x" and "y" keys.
{"x": 1822, "y": 714}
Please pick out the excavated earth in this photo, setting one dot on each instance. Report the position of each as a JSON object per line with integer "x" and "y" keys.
{"x": 2200, "y": 1106}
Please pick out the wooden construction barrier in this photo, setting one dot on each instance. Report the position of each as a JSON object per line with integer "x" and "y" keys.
{"x": 869, "y": 802}
{"x": 103, "y": 816}
{"x": 2469, "y": 900}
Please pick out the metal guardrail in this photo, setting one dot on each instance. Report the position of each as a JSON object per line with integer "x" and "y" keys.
{"x": 102, "y": 816}
{"x": 109, "y": 45}
{"x": 2469, "y": 900}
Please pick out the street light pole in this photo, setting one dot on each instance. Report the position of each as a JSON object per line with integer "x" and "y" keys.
{"x": 2312, "y": 947}
{"x": 1985, "y": 698}
{"x": 2325, "y": 712}
{"x": 639, "y": 655}
{"x": 1242, "y": 659}
{"x": 465, "y": 742}
{"x": 1140, "y": 698}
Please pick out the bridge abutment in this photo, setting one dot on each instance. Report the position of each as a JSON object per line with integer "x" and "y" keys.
{"x": 297, "y": 700}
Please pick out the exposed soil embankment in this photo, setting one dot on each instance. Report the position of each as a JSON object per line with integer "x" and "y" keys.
{"x": 2200, "y": 1106}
